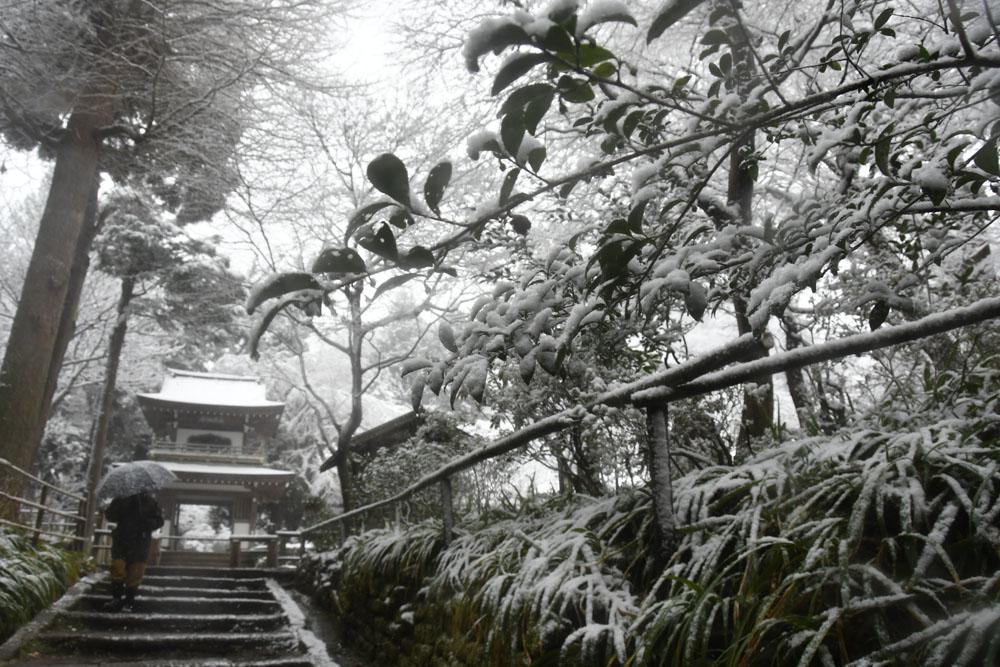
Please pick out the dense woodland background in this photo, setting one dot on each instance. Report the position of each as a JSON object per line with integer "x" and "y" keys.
{"x": 517, "y": 215}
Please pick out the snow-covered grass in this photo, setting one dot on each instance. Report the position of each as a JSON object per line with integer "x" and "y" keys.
{"x": 853, "y": 549}
{"x": 31, "y": 578}
{"x": 876, "y": 545}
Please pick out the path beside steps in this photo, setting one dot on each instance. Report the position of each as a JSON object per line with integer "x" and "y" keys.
{"x": 209, "y": 617}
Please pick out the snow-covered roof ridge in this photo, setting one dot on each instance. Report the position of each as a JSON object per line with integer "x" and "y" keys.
{"x": 223, "y": 469}
{"x": 177, "y": 372}
{"x": 216, "y": 389}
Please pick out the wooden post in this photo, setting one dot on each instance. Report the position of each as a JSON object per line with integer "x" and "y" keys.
{"x": 659, "y": 471}
{"x": 234, "y": 552}
{"x": 283, "y": 536}
{"x": 81, "y": 529}
{"x": 446, "y": 514}
{"x": 41, "y": 513}
{"x": 272, "y": 553}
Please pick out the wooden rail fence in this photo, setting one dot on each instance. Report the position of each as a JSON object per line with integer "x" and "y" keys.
{"x": 44, "y": 514}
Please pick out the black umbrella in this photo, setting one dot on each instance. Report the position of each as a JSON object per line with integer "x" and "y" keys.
{"x": 131, "y": 478}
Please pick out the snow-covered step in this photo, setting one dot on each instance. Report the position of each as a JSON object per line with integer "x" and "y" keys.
{"x": 182, "y": 604}
{"x": 181, "y": 581}
{"x": 191, "y": 618}
{"x": 105, "y": 661}
{"x": 231, "y": 573}
{"x": 83, "y": 620}
{"x": 178, "y": 591}
{"x": 186, "y": 644}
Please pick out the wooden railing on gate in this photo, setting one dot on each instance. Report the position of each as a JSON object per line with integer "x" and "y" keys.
{"x": 37, "y": 516}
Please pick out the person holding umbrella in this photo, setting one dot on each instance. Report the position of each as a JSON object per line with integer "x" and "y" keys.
{"x": 136, "y": 515}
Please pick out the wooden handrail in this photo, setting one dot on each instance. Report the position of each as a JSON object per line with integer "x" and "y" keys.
{"x": 74, "y": 496}
{"x": 39, "y": 531}
{"x": 41, "y": 507}
{"x": 46, "y": 508}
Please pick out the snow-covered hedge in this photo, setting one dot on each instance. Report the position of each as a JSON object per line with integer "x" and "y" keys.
{"x": 31, "y": 578}
{"x": 878, "y": 545}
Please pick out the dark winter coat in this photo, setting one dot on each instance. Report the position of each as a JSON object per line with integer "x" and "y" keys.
{"x": 136, "y": 518}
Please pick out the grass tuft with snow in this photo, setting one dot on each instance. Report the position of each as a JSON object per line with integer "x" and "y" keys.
{"x": 31, "y": 578}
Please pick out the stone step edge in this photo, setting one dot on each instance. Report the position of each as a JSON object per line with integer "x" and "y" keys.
{"x": 76, "y": 661}
{"x": 192, "y": 599}
{"x": 214, "y": 593}
{"x": 168, "y": 617}
{"x": 174, "y": 640}
{"x": 185, "y": 581}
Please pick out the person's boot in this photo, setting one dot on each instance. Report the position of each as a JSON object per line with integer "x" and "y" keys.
{"x": 116, "y": 602}
{"x": 129, "y": 605}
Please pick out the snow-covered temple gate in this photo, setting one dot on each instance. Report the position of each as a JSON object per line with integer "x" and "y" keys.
{"x": 212, "y": 430}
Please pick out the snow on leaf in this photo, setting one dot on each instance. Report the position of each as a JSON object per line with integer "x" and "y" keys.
{"x": 447, "y": 336}
{"x": 602, "y": 11}
{"x": 280, "y": 284}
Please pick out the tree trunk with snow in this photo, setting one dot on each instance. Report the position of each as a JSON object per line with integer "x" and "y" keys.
{"x": 758, "y": 406}
{"x": 660, "y": 478}
{"x": 37, "y": 339}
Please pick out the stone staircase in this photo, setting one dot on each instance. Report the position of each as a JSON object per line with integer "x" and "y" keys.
{"x": 212, "y": 617}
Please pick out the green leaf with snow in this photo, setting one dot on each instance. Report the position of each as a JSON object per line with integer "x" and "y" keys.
{"x": 986, "y": 158}
{"x": 278, "y": 285}
{"x": 536, "y": 157}
{"x": 339, "y": 261}
{"x": 412, "y": 365}
{"x": 417, "y": 392}
{"x": 363, "y": 215}
{"x": 382, "y": 242}
{"x": 509, "y": 180}
{"x": 883, "y": 151}
{"x": 301, "y": 298}
{"x": 447, "y": 337}
{"x": 388, "y": 174}
{"x": 878, "y": 314}
{"x": 512, "y": 132}
{"x": 597, "y": 13}
{"x": 434, "y": 186}
{"x": 514, "y": 68}
{"x": 417, "y": 257}
{"x": 393, "y": 283}
{"x": 520, "y": 224}
{"x": 575, "y": 90}
{"x": 492, "y": 35}
{"x": 696, "y": 300}
{"x": 670, "y": 13}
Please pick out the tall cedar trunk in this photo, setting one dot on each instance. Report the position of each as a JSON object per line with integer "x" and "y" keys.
{"x": 115, "y": 345}
{"x": 757, "y": 410}
{"x": 658, "y": 460}
{"x": 78, "y": 275}
{"x": 35, "y": 347}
